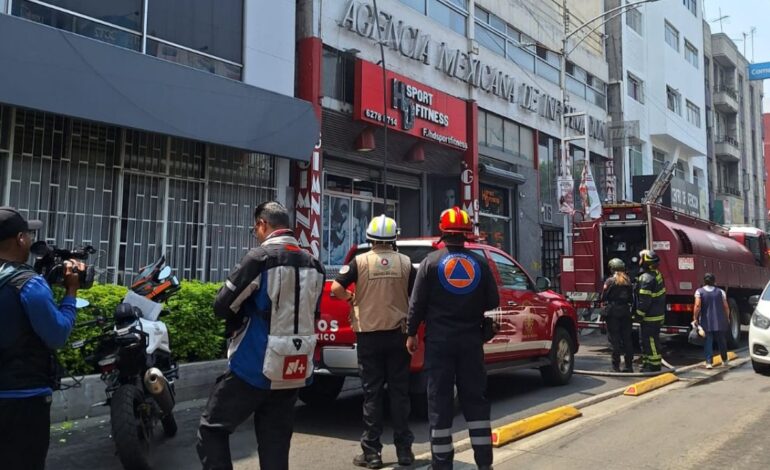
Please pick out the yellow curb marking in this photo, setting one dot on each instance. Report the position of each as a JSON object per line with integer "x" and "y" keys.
{"x": 650, "y": 384}
{"x": 717, "y": 360}
{"x": 528, "y": 426}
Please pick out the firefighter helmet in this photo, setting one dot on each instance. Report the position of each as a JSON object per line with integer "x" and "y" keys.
{"x": 617, "y": 264}
{"x": 382, "y": 229}
{"x": 648, "y": 258}
{"x": 455, "y": 220}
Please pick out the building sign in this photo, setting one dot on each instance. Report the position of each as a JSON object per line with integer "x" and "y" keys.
{"x": 622, "y": 134}
{"x": 680, "y": 195}
{"x": 412, "y": 43}
{"x": 759, "y": 71}
{"x": 413, "y": 108}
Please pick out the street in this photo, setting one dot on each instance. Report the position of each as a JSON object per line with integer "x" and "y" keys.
{"x": 328, "y": 438}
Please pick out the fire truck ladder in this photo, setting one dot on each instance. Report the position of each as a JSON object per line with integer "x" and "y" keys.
{"x": 661, "y": 183}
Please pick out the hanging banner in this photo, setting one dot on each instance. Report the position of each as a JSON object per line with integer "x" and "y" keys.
{"x": 566, "y": 191}
{"x": 592, "y": 205}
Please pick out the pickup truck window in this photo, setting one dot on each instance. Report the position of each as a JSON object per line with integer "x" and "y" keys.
{"x": 511, "y": 275}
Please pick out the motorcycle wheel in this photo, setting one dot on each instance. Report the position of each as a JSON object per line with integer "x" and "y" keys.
{"x": 129, "y": 431}
{"x": 169, "y": 425}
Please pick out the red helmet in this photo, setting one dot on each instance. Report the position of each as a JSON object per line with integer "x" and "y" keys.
{"x": 455, "y": 220}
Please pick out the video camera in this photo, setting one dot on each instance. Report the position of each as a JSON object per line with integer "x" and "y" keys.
{"x": 49, "y": 263}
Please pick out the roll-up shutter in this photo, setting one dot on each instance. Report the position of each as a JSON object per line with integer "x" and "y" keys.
{"x": 367, "y": 173}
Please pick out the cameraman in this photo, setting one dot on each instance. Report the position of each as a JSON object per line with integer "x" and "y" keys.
{"x": 32, "y": 326}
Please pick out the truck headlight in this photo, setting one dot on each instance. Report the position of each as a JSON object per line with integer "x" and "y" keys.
{"x": 760, "y": 321}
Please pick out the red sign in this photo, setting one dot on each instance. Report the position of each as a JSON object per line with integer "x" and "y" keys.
{"x": 413, "y": 108}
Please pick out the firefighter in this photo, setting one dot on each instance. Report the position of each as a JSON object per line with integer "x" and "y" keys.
{"x": 383, "y": 280}
{"x": 617, "y": 296}
{"x": 650, "y": 307}
{"x": 453, "y": 289}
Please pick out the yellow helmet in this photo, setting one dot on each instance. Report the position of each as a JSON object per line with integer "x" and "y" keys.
{"x": 382, "y": 229}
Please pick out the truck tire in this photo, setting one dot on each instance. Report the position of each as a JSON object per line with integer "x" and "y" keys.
{"x": 562, "y": 358}
{"x": 760, "y": 367}
{"x": 322, "y": 391}
{"x": 129, "y": 429}
{"x": 734, "y": 333}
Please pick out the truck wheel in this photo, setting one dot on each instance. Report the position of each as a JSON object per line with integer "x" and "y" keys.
{"x": 322, "y": 391}
{"x": 760, "y": 367}
{"x": 129, "y": 428}
{"x": 734, "y": 334}
{"x": 562, "y": 357}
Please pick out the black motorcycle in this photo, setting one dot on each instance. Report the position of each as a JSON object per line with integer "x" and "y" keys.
{"x": 133, "y": 355}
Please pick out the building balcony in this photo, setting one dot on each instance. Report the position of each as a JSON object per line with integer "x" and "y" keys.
{"x": 729, "y": 190}
{"x": 724, "y": 52}
{"x": 727, "y": 148}
{"x": 726, "y": 100}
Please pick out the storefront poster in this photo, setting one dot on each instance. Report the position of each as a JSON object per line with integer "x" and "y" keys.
{"x": 566, "y": 198}
{"x": 337, "y": 233}
{"x": 413, "y": 108}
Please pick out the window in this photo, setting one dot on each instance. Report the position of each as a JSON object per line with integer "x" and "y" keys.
{"x": 452, "y": 18}
{"x": 634, "y": 19}
{"x": 502, "y": 134}
{"x": 124, "y": 13}
{"x": 636, "y": 160}
{"x": 691, "y": 5}
{"x": 658, "y": 161}
{"x": 495, "y": 216}
{"x": 693, "y": 114}
{"x": 635, "y": 88}
{"x": 215, "y": 28}
{"x": 691, "y": 53}
{"x": 548, "y": 161}
{"x": 672, "y": 36}
{"x": 673, "y": 100}
{"x": 338, "y": 75}
{"x": 511, "y": 275}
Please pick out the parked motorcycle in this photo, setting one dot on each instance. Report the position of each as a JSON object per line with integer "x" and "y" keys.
{"x": 134, "y": 358}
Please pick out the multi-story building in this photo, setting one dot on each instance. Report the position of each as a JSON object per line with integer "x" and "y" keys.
{"x": 734, "y": 124}
{"x": 148, "y": 127}
{"x": 471, "y": 93}
{"x": 657, "y": 95}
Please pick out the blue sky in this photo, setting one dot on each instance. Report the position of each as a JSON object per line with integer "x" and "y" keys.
{"x": 743, "y": 15}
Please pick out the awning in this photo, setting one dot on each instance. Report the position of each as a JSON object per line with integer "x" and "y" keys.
{"x": 55, "y": 71}
{"x": 504, "y": 176}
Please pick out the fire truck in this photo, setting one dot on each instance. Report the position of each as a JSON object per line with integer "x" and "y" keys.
{"x": 688, "y": 248}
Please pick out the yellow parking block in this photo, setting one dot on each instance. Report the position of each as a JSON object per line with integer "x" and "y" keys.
{"x": 528, "y": 426}
{"x": 717, "y": 360}
{"x": 650, "y": 384}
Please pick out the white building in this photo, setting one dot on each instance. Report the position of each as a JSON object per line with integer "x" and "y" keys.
{"x": 660, "y": 71}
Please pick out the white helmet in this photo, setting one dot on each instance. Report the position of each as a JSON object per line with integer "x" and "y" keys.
{"x": 382, "y": 229}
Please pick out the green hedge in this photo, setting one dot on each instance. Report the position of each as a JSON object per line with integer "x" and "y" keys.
{"x": 195, "y": 334}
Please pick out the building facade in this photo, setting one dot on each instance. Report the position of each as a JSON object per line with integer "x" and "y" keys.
{"x": 737, "y": 171}
{"x": 472, "y": 98}
{"x": 149, "y": 127}
{"x": 766, "y": 141}
{"x": 658, "y": 97}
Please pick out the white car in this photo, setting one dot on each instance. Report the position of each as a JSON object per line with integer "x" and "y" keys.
{"x": 759, "y": 332}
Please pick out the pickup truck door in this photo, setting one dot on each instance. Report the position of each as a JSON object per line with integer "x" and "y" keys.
{"x": 525, "y": 307}
{"x": 507, "y": 343}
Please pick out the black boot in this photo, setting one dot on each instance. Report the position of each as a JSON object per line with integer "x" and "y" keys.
{"x": 405, "y": 456}
{"x": 616, "y": 364}
{"x": 368, "y": 460}
{"x": 629, "y": 364}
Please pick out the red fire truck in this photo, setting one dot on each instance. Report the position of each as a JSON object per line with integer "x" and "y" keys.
{"x": 688, "y": 248}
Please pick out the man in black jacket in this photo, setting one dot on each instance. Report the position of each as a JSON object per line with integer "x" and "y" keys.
{"x": 452, "y": 290}
{"x": 270, "y": 304}
{"x": 33, "y": 326}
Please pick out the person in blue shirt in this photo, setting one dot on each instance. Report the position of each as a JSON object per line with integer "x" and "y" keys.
{"x": 33, "y": 326}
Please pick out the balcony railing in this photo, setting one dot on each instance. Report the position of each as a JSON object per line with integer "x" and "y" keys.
{"x": 731, "y": 190}
{"x": 726, "y": 89}
{"x": 728, "y": 139}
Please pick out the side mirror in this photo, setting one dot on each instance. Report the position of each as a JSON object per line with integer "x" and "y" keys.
{"x": 81, "y": 303}
{"x": 753, "y": 301}
{"x": 542, "y": 283}
{"x": 164, "y": 273}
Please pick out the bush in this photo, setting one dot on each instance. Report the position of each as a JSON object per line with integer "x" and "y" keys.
{"x": 195, "y": 334}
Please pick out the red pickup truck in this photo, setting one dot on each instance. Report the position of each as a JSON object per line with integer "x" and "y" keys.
{"x": 538, "y": 329}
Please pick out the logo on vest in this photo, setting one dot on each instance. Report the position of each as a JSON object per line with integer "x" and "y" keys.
{"x": 294, "y": 367}
{"x": 297, "y": 343}
{"x": 459, "y": 273}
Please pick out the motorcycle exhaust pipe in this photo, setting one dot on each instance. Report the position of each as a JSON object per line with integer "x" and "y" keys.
{"x": 157, "y": 385}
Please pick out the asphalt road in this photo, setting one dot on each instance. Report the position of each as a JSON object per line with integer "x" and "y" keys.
{"x": 720, "y": 422}
{"x": 328, "y": 438}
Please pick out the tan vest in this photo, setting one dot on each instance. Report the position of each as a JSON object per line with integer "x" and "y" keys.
{"x": 382, "y": 290}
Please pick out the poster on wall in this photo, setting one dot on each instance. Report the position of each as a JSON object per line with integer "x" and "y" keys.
{"x": 445, "y": 193}
{"x": 336, "y": 238}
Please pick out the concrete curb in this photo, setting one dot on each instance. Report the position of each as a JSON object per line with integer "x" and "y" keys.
{"x": 195, "y": 381}
{"x": 528, "y": 426}
{"x": 654, "y": 383}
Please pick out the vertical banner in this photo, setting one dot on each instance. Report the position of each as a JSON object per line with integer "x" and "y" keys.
{"x": 610, "y": 181}
{"x": 566, "y": 183}
{"x": 307, "y": 187}
{"x": 592, "y": 205}
{"x": 468, "y": 176}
